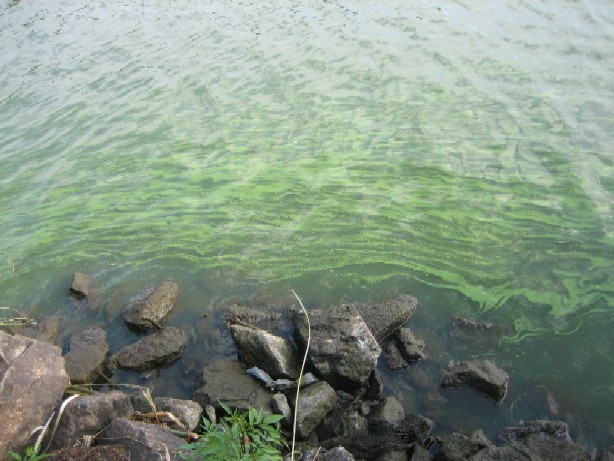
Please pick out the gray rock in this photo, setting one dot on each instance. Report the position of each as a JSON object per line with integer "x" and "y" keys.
{"x": 394, "y": 359}
{"x": 314, "y": 403}
{"x": 514, "y": 452}
{"x": 607, "y": 454}
{"x": 546, "y": 428}
{"x": 32, "y": 382}
{"x": 86, "y": 358}
{"x": 459, "y": 447}
{"x": 273, "y": 354}
{"x": 105, "y": 452}
{"x": 334, "y": 454}
{"x": 482, "y": 375}
{"x": 88, "y": 415}
{"x": 157, "y": 349}
{"x": 343, "y": 351}
{"x": 187, "y": 411}
{"x": 280, "y": 406}
{"x": 45, "y": 330}
{"x": 394, "y": 455}
{"x": 145, "y": 442}
{"x": 389, "y": 411}
{"x": 272, "y": 322}
{"x": 420, "y": 454}
{"x": 152, "y": 308}
{"x": 410, "y": 347}
{"x": 227, "y": 381}
{"x": 80, "y": 286}
{"x": 383, "y": 319}
{"x": 555, "y": 450}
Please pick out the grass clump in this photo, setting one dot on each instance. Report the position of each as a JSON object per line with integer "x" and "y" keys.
{"x": 239, "y": 436}
{"x": 31, "y": 454}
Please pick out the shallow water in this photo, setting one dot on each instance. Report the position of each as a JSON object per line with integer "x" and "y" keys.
{"x": 456, "y": 151}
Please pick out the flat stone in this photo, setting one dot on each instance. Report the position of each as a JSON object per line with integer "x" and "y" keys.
{"x": 482, "y": 375}
{"x": 85, "y": 360}
{"x": 383, "y": 319}
{"x": 32, "y": 382}
{"x": 157, "y": 349}
{"x": 151, "y": 309}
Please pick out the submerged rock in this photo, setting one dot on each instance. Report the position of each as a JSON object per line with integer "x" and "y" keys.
{"x": 482, "y": 375}
{"x": 157, "y": 349}
{"x": 86, "y": 358}
{"x": 394, "y": 359}
{"x": 45, "y": 330}
{"x": 545, "y": 428}
{"x": 460, "y": 447}
{"x": 80, "y": 286}
{"x": 343, "y": 351}
{"x": 410, "y": 346}
{"x": 152, "y": 309}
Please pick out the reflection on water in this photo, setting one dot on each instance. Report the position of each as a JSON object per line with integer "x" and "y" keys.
{"x": 456, "y": 151}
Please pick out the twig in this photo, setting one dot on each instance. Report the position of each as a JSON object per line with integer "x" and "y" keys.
{"x": 300, "y": 376}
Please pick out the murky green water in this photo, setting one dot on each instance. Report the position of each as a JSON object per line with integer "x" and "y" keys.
{"x": 350, "y": 150}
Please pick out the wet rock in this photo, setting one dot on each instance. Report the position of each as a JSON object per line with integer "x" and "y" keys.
{"x": 80, "y": 286}
{"x": 460, "y": 447}
{"x": 273, "y": 354}
{"x": 334, "y": 454}
{"x": 607, "y": 454}
{"x": 315, "y": 402}
{"x": 383, "y": 319}
{"x": 273, "y": 322}
{"x": 410, "y": 346}
{"x": 152, "y": 309}
{"x": 45, "y": 330}
{"x": 157, "y": 349}
{"x": 85, "y": 360}
{"x": 32, "y": 382}
{"x": 388, "y": 412}
{"x": 545, "y": 428}
{"x": 420, "y": 454}
{"x": 395, "y": 455}
{"x": 394, "y": 359}
{"x": 88, "y": 415}
{"x": 469, "y": 326}
{"x": 145, "y": 442}
{"x": 227, "y": 381}
{"x": 555, "y": 450}
{"x": 482, "y": 375}
{"x": 343, "y": 351}
{"x": 103, "y": 453}
{"x": 187, "y": 411}
{"x": 280, "y": 406}
{"x": 513, "y": 452}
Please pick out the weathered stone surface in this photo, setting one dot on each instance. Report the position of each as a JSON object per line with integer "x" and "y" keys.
{"x": 103, "y": 453}
{"x": 145, "y": 442}
{"x": 80, "y": 286}
{"x": 383, "y": 319}
{"x": 280, "y": 406}
{"x": 271, "y": 353}
{"x": 227, "y": 381}
{"x": 607, "y": 454}
{"x": 335, "y": 454}
{"x": 157, "y": 349}
{"x": 555, "y": 450}
{"x": 273, "y": 322}
{"x": 389, "y": 411}
{"x": 187, "y": 411}
{"x": 343, "y": 351}
{"x": 460, "y": 447}
{"x": 394, "y": 455}
{"x": 514, "y": 452}
{"x": 315, "y": 402}
{"x": 152, "y": 309}
{"x": 86, "y": 358}
{"x": 394, "y": 359}
{"x": 45, "y": 330}
{"x": 546, "y": 428}
{"x": 420, "y": 454}
{"x": 410, "y": 346}
{"x": 482, "y": 375}
{"x": 32, "y": 381}
{"x": 88, "y": 415}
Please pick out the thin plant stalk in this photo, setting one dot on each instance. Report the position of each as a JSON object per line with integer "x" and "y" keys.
{"x": 300, "y": 376}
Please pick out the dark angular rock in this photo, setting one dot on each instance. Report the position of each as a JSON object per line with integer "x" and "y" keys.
{"x": 45, "y": 330}
{"x": 335, "y": 454}
{"x": 343, "y": 351}
{"x": 482, "y": 375}
{"x": 555, "y": 450}
{"x": 389, "y": 411}
{"x": 410, "y": 347}
{"x": 187, "y": 411}
{"x": 88, "y": 415}
{"x": 514, "y": 452}
{"x": 86, "y": 357}
{"x": 145, "y": 442}
{"x": 383, "y": 319}
{"x": 102, "y": 453}
{"x": 80, "y": 286}
{"x": 280, "y": 406}
{"x": 607, "y": 454}
{"x": 157, "y": 349}
{"x": 395, "y": 455}
{"x": 273, "y": 322}
{"x": 32, "y": 382}
{"x": 420, "y": 454}
{"x": 546, "y": 428}
{"x": 394, "y": 359}
{"x": 227, "y": 381}
{"x": 315, "y": 402}
{"x": 152, "y": 309}
{"x": 271, "y": 353}
{"x": 460, "y": 447}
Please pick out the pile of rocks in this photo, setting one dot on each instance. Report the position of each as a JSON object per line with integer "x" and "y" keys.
{"x": 340, "y": 412}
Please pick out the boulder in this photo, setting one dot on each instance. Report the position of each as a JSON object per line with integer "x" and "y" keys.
{"x": 388, "y": 412}
{"x": 45, "y": 330}
{"x": 151, "y": 309}
{"x": 273, "y": 322}
{"x": 394, "y": 455}
{"x": 555, "y": 450}
{"x": 546, "y": 428}
{"x": 460, "y": 447}
{"x": 187, "y": 411}
{"x": 482, "y": 375}
{"x": 157, "y": 349}
{"x": 32, "y": 382}
{"x": 88, "y": 415}
{"x": 145, "y": 442}
{"x": 514, "y": 452}
{"x": 85, "y": 360}
{"x": 273, "y": 354}
{"x": 102, "y": 453}
{"x": 383, "y": 319}
{"x": 343, "y": 351}
{"x": 394, "y": 359}
{"x": 314, "y": 403}
{"x": 80, "y": 286}
{"x": 420, "y": 454}
{"x": 410, "y": 347}
{"x": 227, "y": 381}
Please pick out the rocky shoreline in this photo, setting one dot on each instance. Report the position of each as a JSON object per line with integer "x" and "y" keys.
{"x": 340, "y": 411}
